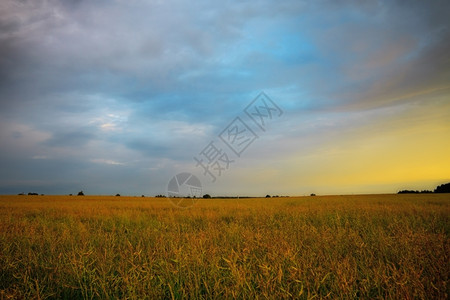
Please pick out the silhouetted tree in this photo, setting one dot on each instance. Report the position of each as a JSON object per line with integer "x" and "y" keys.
{"x": 206, "y": 196}
{"x": 117, "y": 195}
{"x": 80, "y": 193}
{"x": 267, "y": 196}
{"x": 443, "y": 188}
{"x": 312, "y": 194}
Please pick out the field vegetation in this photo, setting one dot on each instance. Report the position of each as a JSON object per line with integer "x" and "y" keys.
{"x": 371, "y": 246}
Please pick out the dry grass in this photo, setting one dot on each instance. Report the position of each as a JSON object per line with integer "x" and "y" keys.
{"x": 381, "y": 246}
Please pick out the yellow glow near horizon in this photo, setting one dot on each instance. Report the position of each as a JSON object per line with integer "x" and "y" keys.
{"x": 409, "y": 150}
{"x": 395, "y": 151}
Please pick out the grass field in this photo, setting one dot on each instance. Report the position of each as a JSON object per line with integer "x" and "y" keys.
{"x": 371, "y": 246}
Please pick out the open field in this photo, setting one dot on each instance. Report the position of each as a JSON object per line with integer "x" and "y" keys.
{"x": 372, "y": 246}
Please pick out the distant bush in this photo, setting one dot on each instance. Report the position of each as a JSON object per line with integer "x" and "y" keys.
{"x": 117, "y": 195}
{"x": 160, "y": 196}
{"x": 206, "y": 196}
{"x": 33, "y": 194}
{"x": 80, "y": 193}
{"x": 443, "y": 188}
{"x": 267, "y": 196}
{"x": 312, "y": 195}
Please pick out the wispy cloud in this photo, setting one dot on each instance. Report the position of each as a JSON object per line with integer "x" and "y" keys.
{"x": 106, "y": 161}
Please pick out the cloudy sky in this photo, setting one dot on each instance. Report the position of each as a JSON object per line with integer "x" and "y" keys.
{"x": 119, "y": 96}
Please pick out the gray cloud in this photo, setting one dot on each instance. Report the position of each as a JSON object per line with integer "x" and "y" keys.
{"x": 138, "y": 86}
{"x": 72, "y": 138}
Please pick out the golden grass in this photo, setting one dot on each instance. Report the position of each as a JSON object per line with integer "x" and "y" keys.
{"x": 372, "y": 246}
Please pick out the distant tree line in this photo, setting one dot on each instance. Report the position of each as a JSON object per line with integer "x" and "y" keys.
{"x": 443, "y": 188}
{"x": 30, "y": 194}
{"x": 414, "y": 192}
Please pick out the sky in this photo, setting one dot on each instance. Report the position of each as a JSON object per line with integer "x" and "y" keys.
{"x": 120, "y": 96}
